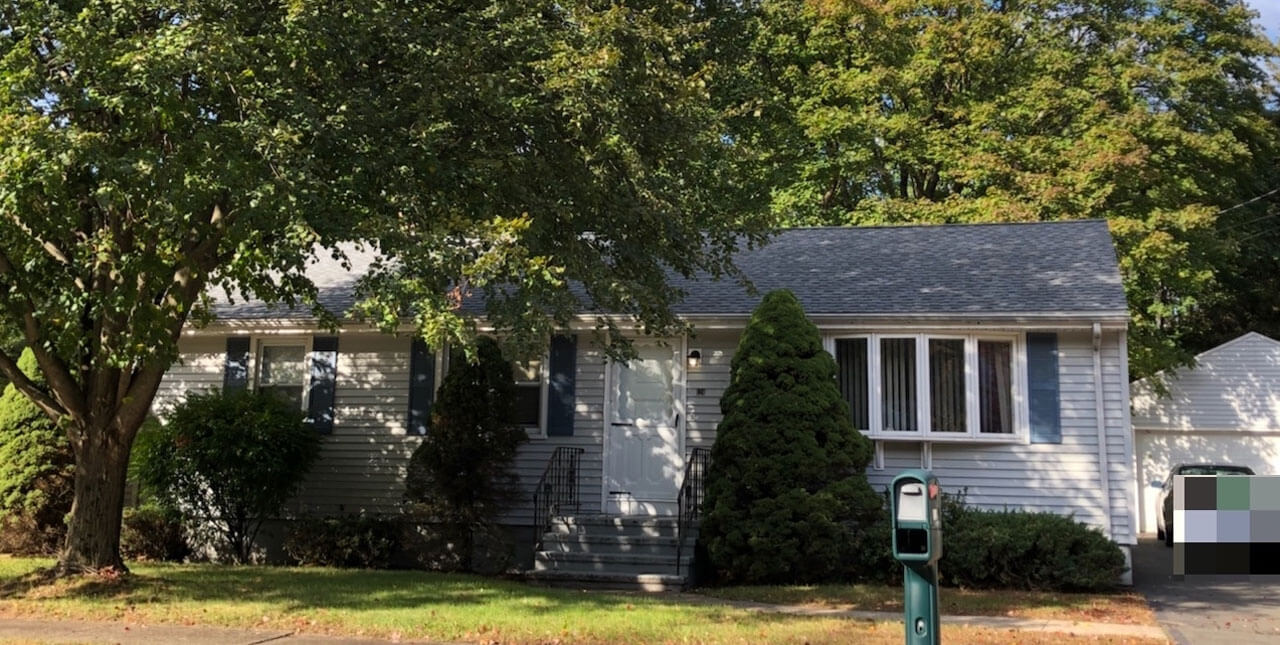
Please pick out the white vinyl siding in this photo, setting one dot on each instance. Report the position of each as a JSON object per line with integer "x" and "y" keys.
{"x": 1233, "y": 387}
{"x": 1061, "y": 478}
{"x": 199, "y": 368}
{"x": 363, "y": 463}
{"x": 588, "y": 434}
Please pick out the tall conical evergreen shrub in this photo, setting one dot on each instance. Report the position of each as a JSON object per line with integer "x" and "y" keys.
{"x": 461, "y": 475}
{"x": 787, "y": 496}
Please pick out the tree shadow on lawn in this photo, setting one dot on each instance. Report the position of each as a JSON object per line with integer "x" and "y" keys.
{"x": 294, "y": 589}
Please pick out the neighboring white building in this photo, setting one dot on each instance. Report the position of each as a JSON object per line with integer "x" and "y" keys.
{"x": 993, "y": 354}
{"x": 1225, "y": 409}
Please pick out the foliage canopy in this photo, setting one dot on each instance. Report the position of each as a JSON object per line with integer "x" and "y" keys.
{"x": 1152, "y": 114}
{"x": 155, "y": 151}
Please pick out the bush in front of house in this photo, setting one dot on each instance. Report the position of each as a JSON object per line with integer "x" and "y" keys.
{"x": 1039, "y": 551}
{"x": 787, "y": 495}
{"x": 153, "y": 533}
{"x": 1009, "y": 549}
{"x": 228, "y": 461}
{"x": 356, "y": 541}
{"x": 37, "y": 471}
{"x": 460, "y": 477}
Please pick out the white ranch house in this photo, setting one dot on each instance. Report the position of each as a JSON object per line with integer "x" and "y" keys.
{"x": 992, "y": 354}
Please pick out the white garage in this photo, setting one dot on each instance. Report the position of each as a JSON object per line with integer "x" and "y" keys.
{"x": 1226, "y": 409}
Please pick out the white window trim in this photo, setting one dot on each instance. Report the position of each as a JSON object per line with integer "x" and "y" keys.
{"x": 1021, "y": 430}
{"x": 255, "y": 360}
{"x": 544, "y": 382}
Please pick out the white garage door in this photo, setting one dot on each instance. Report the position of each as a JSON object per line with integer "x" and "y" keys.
{"x": 1159, "y": 451}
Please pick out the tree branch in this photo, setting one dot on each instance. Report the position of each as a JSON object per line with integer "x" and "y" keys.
{"x": 46, "y": 403}
{"x": 61, "y": 383}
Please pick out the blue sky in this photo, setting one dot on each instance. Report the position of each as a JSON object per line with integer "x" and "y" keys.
{"x": 1270, "y": 10}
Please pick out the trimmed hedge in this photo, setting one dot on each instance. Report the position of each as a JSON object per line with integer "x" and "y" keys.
{"x": 1008, "y": 549}
{"x": 1021, "y": 550}
{"x": 359, "y": 542}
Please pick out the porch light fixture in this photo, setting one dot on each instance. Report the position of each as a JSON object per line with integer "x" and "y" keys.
{"x": 695, "y": 358}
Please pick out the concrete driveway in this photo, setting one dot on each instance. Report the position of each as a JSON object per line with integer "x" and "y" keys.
{"x": 1208, "y": 610}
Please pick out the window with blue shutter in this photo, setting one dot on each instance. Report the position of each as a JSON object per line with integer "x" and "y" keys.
{"x": 422, "y": 386}
{"x": 1042, "y": 387}
{"x": 562, "y": 371}
{"x": 324, "y": 375}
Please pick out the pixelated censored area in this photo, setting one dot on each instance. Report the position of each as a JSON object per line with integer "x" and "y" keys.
{"x": 1226, "y": 525}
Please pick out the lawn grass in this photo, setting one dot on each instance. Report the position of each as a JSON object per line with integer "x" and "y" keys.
{"x": 421, "y": 605}
{"x": 1125, "y": 607}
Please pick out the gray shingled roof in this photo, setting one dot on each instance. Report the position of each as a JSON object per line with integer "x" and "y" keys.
{"x": 975, "y": 269}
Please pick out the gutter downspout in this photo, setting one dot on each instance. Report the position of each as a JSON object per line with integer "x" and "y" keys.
{"x": 1104, "y": 468}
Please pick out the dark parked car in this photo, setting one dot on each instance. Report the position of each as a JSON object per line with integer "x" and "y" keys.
{"x": 1164, "y": 521}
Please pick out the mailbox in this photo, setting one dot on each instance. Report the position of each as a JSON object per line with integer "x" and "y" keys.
{"x": 916, "y": 502}
{"x": 917, "y": 517}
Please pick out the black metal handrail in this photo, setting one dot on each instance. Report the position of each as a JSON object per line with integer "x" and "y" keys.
{"x": 693, "y": 489}
{"x": 557, "y": 490}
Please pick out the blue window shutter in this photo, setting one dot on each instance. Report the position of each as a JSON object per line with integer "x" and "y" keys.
{"x": 1042, "y": 381}
{"x": 560, "y": 388}
{"x": 235, "y": 375}
{"x": 324, "y": 377}
{"x": 422, "y": 386}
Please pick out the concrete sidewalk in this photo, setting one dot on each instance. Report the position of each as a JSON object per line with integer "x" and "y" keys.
{"x": 24, "y": 630}
{"x": 995, "y": 622}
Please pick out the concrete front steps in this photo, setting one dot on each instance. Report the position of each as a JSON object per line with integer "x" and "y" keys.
{"x": 613, "y": 552}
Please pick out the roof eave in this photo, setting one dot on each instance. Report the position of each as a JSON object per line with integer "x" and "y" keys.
{"x": 1109, "y": 319}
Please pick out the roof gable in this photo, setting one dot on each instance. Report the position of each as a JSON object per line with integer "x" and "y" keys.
{"x": 1234, "y": 386}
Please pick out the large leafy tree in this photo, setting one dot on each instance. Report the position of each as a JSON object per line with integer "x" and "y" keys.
{"x": 1153, "y": 114}
{"x": 153, "y": 150}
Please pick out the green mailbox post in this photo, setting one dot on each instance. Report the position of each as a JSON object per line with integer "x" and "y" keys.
{"x": 917, "y": 544}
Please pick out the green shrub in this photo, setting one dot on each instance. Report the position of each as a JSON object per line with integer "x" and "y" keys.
{"x": 460, "y": 477}
{"x": 154, "y": 533}
{"x": 787, "y": 496}
{"x": 228, "y": 461}
{"x": 985, "y": 549}
{"x": 1000, "y": 550}
{"x": 357, "y": 541}
{"x": 37, "y": 471}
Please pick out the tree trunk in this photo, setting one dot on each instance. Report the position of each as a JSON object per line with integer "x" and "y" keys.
{"x": 93, "y": 531}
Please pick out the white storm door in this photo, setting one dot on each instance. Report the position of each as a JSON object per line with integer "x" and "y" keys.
{"x": 644, "y": 461}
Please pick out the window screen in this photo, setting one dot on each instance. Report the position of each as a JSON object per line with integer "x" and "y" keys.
{"x": 946, "y": 385}
{"x": 995, "y": 386}
{"x": 898, "y": 383}
{"x": 851, "y": 359}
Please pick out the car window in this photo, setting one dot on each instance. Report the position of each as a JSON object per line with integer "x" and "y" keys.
{"x": 1214, "y": 470}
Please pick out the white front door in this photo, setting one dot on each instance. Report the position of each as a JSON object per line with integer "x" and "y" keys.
{"x": 643, "y": 456}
